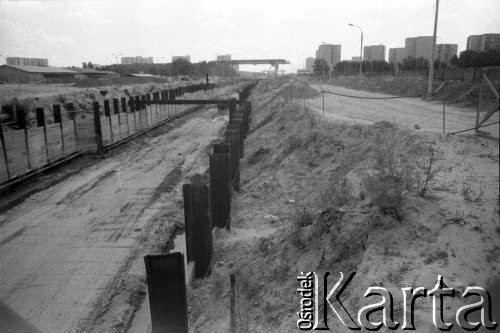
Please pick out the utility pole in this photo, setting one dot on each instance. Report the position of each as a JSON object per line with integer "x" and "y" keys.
{"x": 431, "y": 69}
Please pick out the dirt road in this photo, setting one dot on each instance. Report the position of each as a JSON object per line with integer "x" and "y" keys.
{"x": 60, "y": 248}
{"x": 405, "y": 112}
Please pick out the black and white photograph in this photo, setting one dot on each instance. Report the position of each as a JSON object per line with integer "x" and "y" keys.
{"x": 221, "y": 166}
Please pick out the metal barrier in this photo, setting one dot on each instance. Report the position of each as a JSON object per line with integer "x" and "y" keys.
{"x": 205, "y": 207}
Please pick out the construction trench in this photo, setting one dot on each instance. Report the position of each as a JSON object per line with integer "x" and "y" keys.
{"x": 250, "y": 201}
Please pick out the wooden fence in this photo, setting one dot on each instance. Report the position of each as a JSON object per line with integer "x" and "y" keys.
{"x": 28, "y": 146}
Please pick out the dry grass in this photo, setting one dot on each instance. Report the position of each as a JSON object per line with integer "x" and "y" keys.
{"x": 338, "y": 193}
{"x": 394, "y": 173}
{"x": 300, "y": 220}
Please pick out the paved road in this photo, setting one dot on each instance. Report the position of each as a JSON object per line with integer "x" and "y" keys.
{"x": 61, "y": 247}
{"x": 406, "y": 112}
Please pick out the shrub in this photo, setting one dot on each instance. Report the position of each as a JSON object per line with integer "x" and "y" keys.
{"x": 302, "y": 219}
{"x": 393, "y": 173}
{"x": 293, "y": 143}
{"x": 338, "y": 193}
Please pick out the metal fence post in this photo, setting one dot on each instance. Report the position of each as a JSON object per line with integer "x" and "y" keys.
{"x": 444, "y": 119}
{"x": 124, "y": 110}
{"x": 116, "y": 110}
{"x": 479, "y": 102}
{"x": 40, "y": 120}
{"x": 167, "y": 292}
{"x": 98, "y": 130}
{"x": 198, "y": 228}
{"x": 107, "y": 113}
{"x": 132, "y": 109}
{"x": 56, "y": 109}
{"x": 233, "y": 302}
{"x": 238, "y": 126}
{"x": 233, "y": 137}
{"x": 220, "y": 185}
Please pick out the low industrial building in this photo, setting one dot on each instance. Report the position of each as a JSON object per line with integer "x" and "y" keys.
{"x": 25, "y": 74}
{"x": 83, "y": 73}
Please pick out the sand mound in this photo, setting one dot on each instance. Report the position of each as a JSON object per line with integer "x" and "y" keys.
{"x": 464, "y": 93}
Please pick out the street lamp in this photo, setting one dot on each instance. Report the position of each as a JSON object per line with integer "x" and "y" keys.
{"x": 116, "y": 56}
{"x": 361, "y": 49}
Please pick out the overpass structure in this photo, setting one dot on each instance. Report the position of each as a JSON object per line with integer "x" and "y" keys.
{"x": 273, "y": 62}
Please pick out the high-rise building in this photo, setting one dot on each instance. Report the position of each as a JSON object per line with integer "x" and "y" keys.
{"x": 226, "y": 57}
{"x": 420, "y": 46}
{"x": 474, "y": 43}
{"x": 186, "y": 57}
{"x": 19, "y": 61}
{"x": 411, "y": 46}
{"x": 444, "y": 52}
{"x": 424, "y": 47}
{"x": 374, "y": 53}
{"x": 309, "y": 65}
{"x": 330, "y": 53}
{"x": 136, "y": 60}
{"x": 483, "y": 42}
{"x": 396, "y": 55}
{"x": 127, "y": 60}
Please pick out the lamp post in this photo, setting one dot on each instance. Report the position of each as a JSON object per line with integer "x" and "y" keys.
{"x": 116, "y": 56}
{"x": 360, "y": 50}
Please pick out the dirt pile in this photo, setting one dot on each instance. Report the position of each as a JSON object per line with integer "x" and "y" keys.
{"x": 404, "y": 86}
{"x": 464, "y": 93}
{"x": 296, "y": 90}
{"x": 327, "y": 197}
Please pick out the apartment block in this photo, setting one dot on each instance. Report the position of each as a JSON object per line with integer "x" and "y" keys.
{"x": 136, "y": 60}
{"x": 330, "y": 53}
{"x": 20, "y": 61}
{"x": 309, "y": 64}
{"x": 483, "y": 42}
{"x": 420, "y": 46}
{"x": 444, "y": 52}
{"x": 374, "y": 53}
{"x": 397, "y": 54}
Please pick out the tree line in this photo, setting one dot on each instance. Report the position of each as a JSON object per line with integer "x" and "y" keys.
{"x": 179, "y": 67}
{"x": 487, "y": 58}
{"x": 321, "y": 67}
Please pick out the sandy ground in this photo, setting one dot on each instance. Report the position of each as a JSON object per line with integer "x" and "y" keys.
{"x": 286, "y": 218}
{"x": 82, "y": 240}
{"x": 405, "y": 112}
{"x": 7, "y": 91}
{"x": 64, "y": 248}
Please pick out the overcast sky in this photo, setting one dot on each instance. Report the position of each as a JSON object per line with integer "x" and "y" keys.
{"x": 69, "y": 32}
